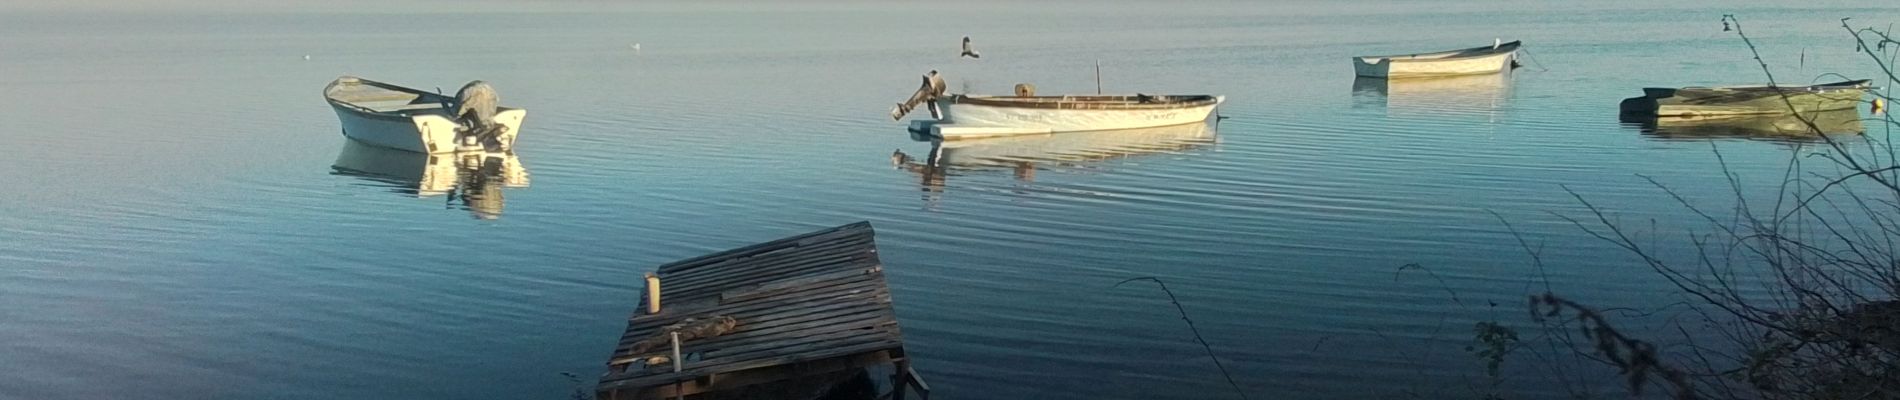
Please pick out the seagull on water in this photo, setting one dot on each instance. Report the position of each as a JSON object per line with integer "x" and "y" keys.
{"x": 967, "y": 52}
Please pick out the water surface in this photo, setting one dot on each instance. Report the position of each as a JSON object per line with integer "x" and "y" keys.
{"x": 182, "y": 220}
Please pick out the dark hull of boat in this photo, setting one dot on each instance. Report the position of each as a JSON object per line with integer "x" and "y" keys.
{"x": 1744, "y": 101}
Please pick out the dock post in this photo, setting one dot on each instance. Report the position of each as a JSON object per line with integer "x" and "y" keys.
{"x": 900, "y": 378}
{"x": 678, "y": 363}
{"x": 653, "y": 293}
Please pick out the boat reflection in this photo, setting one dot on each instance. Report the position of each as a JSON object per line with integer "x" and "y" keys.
{"x": 1781, "y": 128}
{"x": 1024, "y": 155}
{"x": 1458, "y": 95}
{"x": 475, "y": 180}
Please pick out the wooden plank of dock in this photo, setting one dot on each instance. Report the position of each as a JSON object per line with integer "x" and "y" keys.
{"x": 805, "y": 305}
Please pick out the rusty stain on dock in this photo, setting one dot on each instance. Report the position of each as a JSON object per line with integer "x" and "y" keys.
{"x": 806, "y": 305}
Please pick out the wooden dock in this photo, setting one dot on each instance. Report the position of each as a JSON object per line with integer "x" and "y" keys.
{"x": 805, "y": 306}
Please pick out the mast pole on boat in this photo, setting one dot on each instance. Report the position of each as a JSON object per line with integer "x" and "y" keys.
{"x": 1098, "y": 76}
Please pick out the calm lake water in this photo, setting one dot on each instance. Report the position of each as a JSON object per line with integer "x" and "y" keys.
{"x": 183, "y": 220}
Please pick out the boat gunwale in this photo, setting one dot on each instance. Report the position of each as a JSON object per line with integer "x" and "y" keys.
{"x": 964, "y": 138}
{"x": 1089, "y": 102}
{"x": 1447, "y": 55}
{"x": 404, "y": 115}
{"x": 1857, "y": 84}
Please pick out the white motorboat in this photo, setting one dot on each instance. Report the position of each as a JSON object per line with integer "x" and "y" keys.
{"x": 397, "y": 117}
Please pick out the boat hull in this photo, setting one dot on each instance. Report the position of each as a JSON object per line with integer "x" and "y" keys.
{"x": 962, "y": 120}
{"x": 1379, "y": 67}
{"x": 1722, "y": 102}
{"x": 421, "y": 133}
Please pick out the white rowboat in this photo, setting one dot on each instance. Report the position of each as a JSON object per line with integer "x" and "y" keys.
{"x": 1477, "y": 60}
{"x": 401, "y": 118}
{"x": 969, "y": 117}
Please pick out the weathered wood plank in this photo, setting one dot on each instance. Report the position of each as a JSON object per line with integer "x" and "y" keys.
{"x": 816, "y": 296}
{"x": 766, "y": 277}
{"x": 767, "y": 247}
{"x": 822, "y": 331}
{"x": 767, "y": 317}
{"x": 780, "y": 268}
{"x": 818, "y": 288}
{"x": 778, "y": 263}
{"x": 756, "y": 326}
{"x": 860, "y": 228}
{"x": 875, "y": 328}
{"x": 793, "y": 331}
{"x": 701, "y": 303}
{"x": 768, "y": 289}
{"x": 738, "y": 379}
{"x": 715, "y": 289}
{"x": 708, "y": 304}
{"x": 754, "y": 316}
{"x": 611, "y": 385}
{"x": 849, "y": 245}
{"x": 787, "y": 356}
{"x": 789, "y": 328}
{"x": 776, "y": 330}
{"x": 721, "y": 364}
{"x": 831, "y": 291}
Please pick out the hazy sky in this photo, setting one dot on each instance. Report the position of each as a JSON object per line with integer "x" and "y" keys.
{"x": 271, "y": 6}
{"x": 198, "y": 6}
{"x": 324, "y": 5}
{"x": 1279, "y": 6}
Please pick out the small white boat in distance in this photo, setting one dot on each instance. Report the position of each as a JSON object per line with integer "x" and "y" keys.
{"x": 397, "y": 117}
{"x": 1477, "y": 60}
{"x": 969, "y": 117}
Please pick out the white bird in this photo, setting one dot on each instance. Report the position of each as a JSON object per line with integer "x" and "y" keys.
{"x": 967, "y": 51}
{"x": 306, "y": 57}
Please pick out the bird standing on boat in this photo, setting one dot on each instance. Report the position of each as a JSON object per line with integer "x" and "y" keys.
{"x": 475, "y": 108}
{"x": 967, "y": 51}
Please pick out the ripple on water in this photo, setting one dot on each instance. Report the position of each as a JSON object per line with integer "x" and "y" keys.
{"x": 210, "y": 248}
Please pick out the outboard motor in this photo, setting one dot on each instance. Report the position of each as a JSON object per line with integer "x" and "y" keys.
{"x": 932, "y": 88}
{"x": 475, "y": 108}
